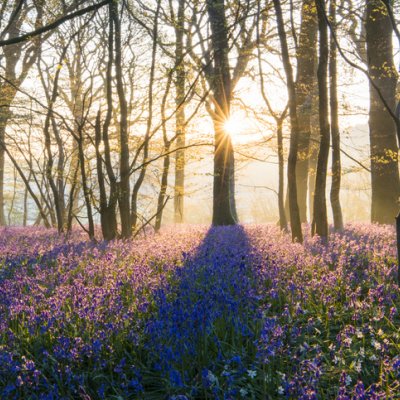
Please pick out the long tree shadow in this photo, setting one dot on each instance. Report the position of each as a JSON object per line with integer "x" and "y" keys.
{"x": 206, "y": 318}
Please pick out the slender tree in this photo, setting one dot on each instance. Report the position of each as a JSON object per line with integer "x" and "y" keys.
{"x": 124, "y": 165}
{"x": 320, "y": 217}
{"x": 295, "y": 221}
{"x": 180, "y": 82}
{"x": 335, "y": 132}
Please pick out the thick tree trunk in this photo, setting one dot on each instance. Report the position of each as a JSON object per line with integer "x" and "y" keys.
{"x": 108, "y": 217}
{"x": 304, "y": 87}
{"x": 335, "y": 132}
{"x": 384, "y": 149}
{"x": 295, "y": 222}
{"x": 221, "y": 89}
{"x": 320, "y": 217}
{"x": 180, "y": 116}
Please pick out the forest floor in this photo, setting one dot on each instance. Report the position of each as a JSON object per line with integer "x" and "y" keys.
{"x": 199, "y": 313}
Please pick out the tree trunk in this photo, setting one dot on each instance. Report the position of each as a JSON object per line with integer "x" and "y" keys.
{"x": 384, "y": 158}
{"x": 142, "y": 174}
{"x": 295, "y": 222}
{"x": 108, "y": 218}
{"x": 320, "y": 217}
{"x": 314, "y": 148}
{"x": 306, "y": 56}
{"x": 4, "y": 117}
{"x": 221, "y": 89}
{"x": 180, "y": 116}
{"x": 26, "y": 210}
{"x": 12, "y": 54}
{"x": 335, "y": 132}
{"x": 232, "y": 185}
{"x": 108, "y": 206}
{"x": 124, "y": 189}
{"x": 163, "y": 189}
{"x": 281, "y": 166}
{"x": 85, "y": 187}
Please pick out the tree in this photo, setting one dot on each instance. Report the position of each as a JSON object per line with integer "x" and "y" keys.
{"x": 279, "y": 120}
{"x": 295, "y": 221}
{"x": 383, "y": 146}
{"x": 18, "y": 58}
{"x": 180, "y": 81}
{"x": 335, "y": 133}
{"x": 220, "y": 85}
{"x": 320, "y": 217}
{"x": 306, "y": 57}
{"x": 124, "y": 165}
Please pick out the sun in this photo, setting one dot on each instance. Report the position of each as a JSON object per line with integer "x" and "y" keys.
{"x": 235, "y": 125}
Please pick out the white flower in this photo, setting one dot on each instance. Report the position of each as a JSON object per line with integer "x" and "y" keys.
{"x": 348, "y": 380}
{"x": 243, "y": 392}
{"x": 362, "y": 352}
{"x": 251, "y": 374}
{"x": 373, "y": 357}
{"x": 359, "y": 334}
{"x": 348, "y": 341}
{"x": 380, "y": 332}
{"x": 211, "y": 377}
{"x": 357, "y": 367}
{"x": 376, "y": 344}
{"x": 281, "y": 374}
{"x": 281, "y": 390}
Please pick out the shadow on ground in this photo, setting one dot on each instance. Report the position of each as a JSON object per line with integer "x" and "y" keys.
{"x": 206, "y": 314}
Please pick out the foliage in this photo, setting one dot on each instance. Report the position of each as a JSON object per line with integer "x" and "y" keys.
{"x": 227, "y": 313}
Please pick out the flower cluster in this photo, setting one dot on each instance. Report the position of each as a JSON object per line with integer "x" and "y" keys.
{"x": 220, "y": 313}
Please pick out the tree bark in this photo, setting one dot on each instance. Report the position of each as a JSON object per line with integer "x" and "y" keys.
{"x": 295, "y": 222}
{"x": 221, "y": 89}
{"x": 124, "y": 189}
{"x": 385, "y": 181}
{"x": 163, "y": 189}
{"x": 108, "y": 205}
{"x": 306, "y": 56}
{"x": 320, "y": 217}
{"x": 281, "y": 166}
{"x": 335, "y": 132}
{"x": 180, "y": 116}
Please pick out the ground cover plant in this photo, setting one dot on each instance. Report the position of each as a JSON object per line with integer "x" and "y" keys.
{"x": 198, "y": 313}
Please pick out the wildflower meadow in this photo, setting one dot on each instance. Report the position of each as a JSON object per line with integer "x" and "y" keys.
{"x": 199, "y": 313}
